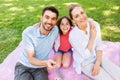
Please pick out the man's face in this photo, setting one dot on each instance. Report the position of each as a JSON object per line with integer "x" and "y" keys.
{"x": 48, "y": 20}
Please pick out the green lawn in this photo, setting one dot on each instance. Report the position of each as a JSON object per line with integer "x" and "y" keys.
{"x": 16, "y": 15}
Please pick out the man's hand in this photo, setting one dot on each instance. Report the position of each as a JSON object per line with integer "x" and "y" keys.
{"x": 51, "y": 64}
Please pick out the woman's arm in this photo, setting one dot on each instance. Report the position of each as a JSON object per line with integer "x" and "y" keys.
{"x": 96, "y": 66}
{"x": 98, "y": 48}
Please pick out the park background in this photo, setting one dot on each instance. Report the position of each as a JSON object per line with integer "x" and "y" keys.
{"x": 16, "y": 15}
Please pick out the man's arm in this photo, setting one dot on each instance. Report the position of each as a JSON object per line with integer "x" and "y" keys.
{"x": 37, "y": 62}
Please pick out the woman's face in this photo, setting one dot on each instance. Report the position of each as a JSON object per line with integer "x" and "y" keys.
{"x": 64, "y": 25}
{"x": 79, "y": 16}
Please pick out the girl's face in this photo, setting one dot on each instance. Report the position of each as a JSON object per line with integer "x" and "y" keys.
{"x": 78, "y": 15}
{"x": 64, "y": 25}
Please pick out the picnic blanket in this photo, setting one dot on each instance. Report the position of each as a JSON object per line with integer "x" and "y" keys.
{"x": 110, "y": 49}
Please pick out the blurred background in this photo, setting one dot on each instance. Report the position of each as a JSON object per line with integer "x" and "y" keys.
{"x": 16, "y": 15}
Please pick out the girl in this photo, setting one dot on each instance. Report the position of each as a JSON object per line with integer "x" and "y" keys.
{"x": 63, "y": 47}
{"x": 87, "y": 44}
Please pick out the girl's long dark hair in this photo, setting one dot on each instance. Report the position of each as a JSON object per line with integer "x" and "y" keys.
{"x": 59, "y": 22}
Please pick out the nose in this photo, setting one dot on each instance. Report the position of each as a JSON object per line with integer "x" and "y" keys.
{"x": 49, "y": 21}
{"x": 81, "y": 16}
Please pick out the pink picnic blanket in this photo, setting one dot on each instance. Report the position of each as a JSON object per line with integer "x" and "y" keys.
{"x": 110, "y": 49}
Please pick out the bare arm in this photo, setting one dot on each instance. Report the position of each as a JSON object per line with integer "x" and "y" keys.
{"x": 96, "y": 66}
{"x": 98, "y": 57}
{"x": 92, "y": 36}
{"x": 37, "y": 62}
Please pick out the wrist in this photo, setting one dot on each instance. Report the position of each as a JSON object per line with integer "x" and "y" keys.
{"x": 45, "y": 62}
{"x": 98, "y": 63}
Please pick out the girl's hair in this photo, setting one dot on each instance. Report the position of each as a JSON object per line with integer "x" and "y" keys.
{"x": 59, "y": 22}
{"x": 71, "y": 7}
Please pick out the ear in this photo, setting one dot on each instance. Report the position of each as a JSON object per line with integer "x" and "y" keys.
{"x": 40, "y": 18}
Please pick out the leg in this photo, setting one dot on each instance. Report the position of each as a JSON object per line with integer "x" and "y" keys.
{"x": 58, "y": 59}
{"x": 103, "y": 75}
{"x": 21, "y": 73}
{"x": 111, "y": 68}
{"x": 40, "y": 74}
{"x": 66, "y": 60}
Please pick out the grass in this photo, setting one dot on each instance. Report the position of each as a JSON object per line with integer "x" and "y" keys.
{"x": 16, "y": 15}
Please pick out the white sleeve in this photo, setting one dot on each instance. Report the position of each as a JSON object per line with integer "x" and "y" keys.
{"x": 98, "y": 39}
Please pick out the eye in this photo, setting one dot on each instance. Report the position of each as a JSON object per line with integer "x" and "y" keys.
{"x": 61, "y": 24}
{"x": 47, "y": 17}
{"x": 54, "y": 18}
{"x": 82, "y": 12}
{"x": 67, "y": 23}
{"x": 76, "y": 16}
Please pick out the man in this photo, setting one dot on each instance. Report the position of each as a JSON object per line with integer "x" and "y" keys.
{"x": 37, "y": 44}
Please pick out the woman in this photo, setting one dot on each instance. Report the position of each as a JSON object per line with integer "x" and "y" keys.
{"x": 87, "y": 44}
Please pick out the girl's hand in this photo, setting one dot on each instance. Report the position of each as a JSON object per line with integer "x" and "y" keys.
{"x": 95, "y": 69}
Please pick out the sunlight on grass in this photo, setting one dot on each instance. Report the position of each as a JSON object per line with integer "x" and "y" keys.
{"x": 92, "y": 8}
{"x": 110, "y": 33}
{"x": 107, "y": 12}
{"x": 67, "y": 4}
{"x": 31, "y": 8}
{"x": 8, "y": 4}
{"x": 8, "y": 0}
{"x": 115, "y": 7}
{"x": 15, "y": 9}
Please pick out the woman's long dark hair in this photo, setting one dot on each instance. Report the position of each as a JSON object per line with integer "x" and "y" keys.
{"x": 59, "y": 22}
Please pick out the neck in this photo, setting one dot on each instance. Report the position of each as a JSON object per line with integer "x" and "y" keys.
{"x": 83, "y": 26}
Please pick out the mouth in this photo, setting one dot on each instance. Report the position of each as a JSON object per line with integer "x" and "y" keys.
{"x": 49, "y": 25}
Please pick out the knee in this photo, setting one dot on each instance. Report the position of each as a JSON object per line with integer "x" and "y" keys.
{"x": 58, "y": 65}
{"x": 66, "y": 65}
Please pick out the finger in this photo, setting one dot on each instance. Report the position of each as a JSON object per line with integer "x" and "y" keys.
{"x": 93, "y": 73}
{"x": 53, "y": 62}
{"x": 91, "y": 24}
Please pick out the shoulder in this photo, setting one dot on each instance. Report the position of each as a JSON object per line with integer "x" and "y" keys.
{"x": 29, "y": 29}
{"x": 94, "y": 23}
{"x": 74, "y": 31}
{"x": 97, "y": 25}
{"x": 55, "y": 29}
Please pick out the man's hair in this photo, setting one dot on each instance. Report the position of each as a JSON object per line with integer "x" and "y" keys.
{"x": 71, "y": 7}
{"x": 50, "y": 8}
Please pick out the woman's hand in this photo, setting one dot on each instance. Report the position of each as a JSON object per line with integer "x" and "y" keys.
{"x": 95, "y": 69}
{"x": 92, "y": 30}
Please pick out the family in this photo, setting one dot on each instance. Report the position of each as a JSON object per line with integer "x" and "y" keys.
{"x": 78, "y": 37}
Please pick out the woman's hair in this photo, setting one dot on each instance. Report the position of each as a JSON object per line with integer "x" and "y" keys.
{"x": 59, "y": 22}
{"x": 71, "y": 7}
